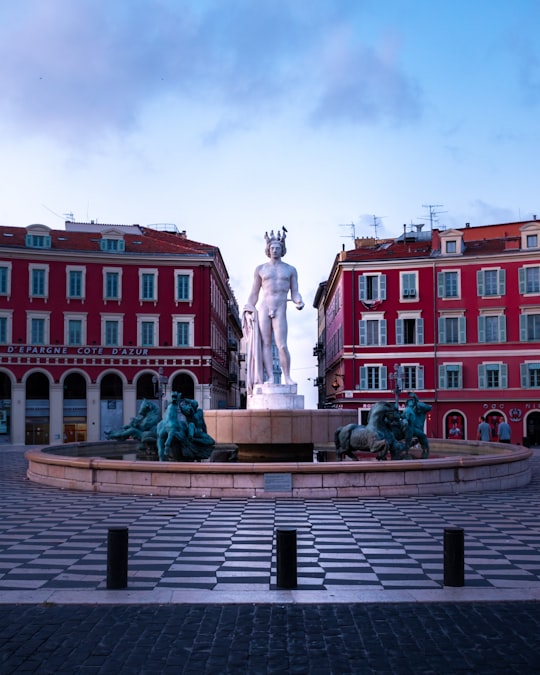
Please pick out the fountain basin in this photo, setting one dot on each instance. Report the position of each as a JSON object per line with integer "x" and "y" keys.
{"x": 455, "y": 467}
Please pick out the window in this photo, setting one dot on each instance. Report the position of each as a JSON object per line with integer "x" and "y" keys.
{"x": 491, "y": 282}
{"x": 448, "y": 284}
{"x": 38, "y": 281}
{"x": 373, "y": 331}
{"x": 112, "y": 326}
{"x": 75, "y": 282}
{"x": 75, "y": 329}
{"x": 409, "y": 285}
{"x": 373, "y": 377}
{"x": 3, "y": 330}
{"x": 183, "y": 329}
{"x": 183, "y": 284}
{"x": 111, "y": 333}
{"x": 37, "y": 328}
{"x": 74, "y": 332}
{"x": 372, "y": 287}
{"x": 147, "y": 285}
{"x": 5, "y": 279}
{"x": 413, "y": 377}
{"x": 451, "y": 376}
{"x": 452, "y": 330}
{"x": 492, "y": 376}
{"x": 182, "y": 334}
{"x": 37, "y": 332}
{"x": 108, "y": 245}
{"x": 451, "y": 246}
{"x": 530, "y": 375}
{"x": 38, "y": 241}
{"x": 112, "y": 284}
{"x": 491, "y": 328}
{"x": 148, "y": 330}
{"x": 529, "y": 327}
{"x": 532, "y": 241}
{"x": 529, "y": 280}
{"x": 410, "y": 331}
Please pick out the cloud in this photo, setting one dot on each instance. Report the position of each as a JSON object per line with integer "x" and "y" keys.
{"x": 79, "y": 70}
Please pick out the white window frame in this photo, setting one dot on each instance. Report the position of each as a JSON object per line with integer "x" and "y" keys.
{"x": 35, "y": 267}
{"x": 76, "y": 268}
{"x": 441, "y": 284}
{"x": 462, "y": 328}
{"x": 148, "y": 318}
{"x": 523, "y": 280}
{"x": 183, "y": 318}
{"x": 444, "y": 368}
{"x": 377, "y": 317}
{"x": 183, "y": 273}
{"x": 363, "y": 377}
{"x": 525, "y": 373}
{"x": 119, "y": 318}
{"x": 7, "y": 314}
{"x": 154, "y": 272}
{"x": 408, "y": 294}
{"x": 8, "y": 267}
{"x": 481, "y": 282}
{"x": 501, "y": 327}
{"x": 418, "y": 328}
{"x": 525, "y": 313}
{"x": 112, "y": 270}
{"x": 483, "y": 374}
{"x": 46, "y": 316}
{"x": 75, "y": 316}
{"x": 528, "y": 230}
{"x": 380, "y": 294}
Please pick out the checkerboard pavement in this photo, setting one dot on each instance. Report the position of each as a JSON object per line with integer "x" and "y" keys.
{"x": 57, "y": 539}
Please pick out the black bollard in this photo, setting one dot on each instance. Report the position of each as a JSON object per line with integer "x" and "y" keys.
{"x": 286, "y": 558}
{"x": 117, "y": 558}
{"x": 454, "y": 557}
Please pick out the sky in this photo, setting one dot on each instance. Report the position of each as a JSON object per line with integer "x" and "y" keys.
{"x": 229, "y": 118}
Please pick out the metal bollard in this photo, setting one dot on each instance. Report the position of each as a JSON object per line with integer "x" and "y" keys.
{"x": 286, "y": 558}
{"x": 117, "y": 558}
{"x": 454, "y": 556}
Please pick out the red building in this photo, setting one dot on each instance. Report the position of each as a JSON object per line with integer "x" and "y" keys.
{"x": 453, "y": 315}
{"x": 96, "y": 318}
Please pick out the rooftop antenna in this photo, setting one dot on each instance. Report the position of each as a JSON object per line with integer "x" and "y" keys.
{"x": 352, "y": 235}
{"x": 376, "y": 224}
{"x": 432, "y": 217}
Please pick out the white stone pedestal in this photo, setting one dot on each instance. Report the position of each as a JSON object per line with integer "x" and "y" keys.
{"x": 275, "y": 397}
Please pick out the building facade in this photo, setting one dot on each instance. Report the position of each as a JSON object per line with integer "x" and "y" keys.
{"x": 453, "y": 315}
{"x": 96, "y": 318}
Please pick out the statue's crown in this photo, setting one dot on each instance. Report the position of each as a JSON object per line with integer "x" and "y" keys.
{"x": 279, "y": 236}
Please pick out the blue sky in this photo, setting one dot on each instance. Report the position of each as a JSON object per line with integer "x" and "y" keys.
{"x": 233, "y": 117}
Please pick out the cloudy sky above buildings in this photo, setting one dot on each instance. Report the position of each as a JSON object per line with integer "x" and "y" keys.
{"x": 233, "y": 117}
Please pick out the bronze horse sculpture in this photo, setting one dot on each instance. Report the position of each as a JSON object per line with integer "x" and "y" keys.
{"x": 384, "y": 434}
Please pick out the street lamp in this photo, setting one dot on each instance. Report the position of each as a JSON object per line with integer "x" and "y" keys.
{"x": 160, "y": 388}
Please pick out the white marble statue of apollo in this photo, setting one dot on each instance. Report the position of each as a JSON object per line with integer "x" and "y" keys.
{"x": 275, "y": 279}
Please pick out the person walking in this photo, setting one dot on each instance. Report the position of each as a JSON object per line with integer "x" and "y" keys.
{"x": 505, "y": 433}
{"x": 484, "y": 430}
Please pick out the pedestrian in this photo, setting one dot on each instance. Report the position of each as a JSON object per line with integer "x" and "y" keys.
{"x": 484, "y": 430}
{"x": 505, "y": 433}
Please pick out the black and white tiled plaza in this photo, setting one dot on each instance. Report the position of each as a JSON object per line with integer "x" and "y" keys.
{"x": 53, "y": 545}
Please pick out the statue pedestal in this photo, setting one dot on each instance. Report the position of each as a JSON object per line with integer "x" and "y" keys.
{"x": 275, "y": 397}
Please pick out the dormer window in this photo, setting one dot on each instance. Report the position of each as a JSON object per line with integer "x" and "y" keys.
{"x": 112, "y": 241}
{"x": 451, "y": 242}
{"x": 530, "y": 236}
{"x": 37, "y": 236}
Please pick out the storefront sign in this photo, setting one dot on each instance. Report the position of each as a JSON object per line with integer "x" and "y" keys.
{"x": 79, "y": 351}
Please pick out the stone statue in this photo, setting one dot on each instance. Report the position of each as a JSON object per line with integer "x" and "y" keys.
{"x": 388, "y": 432}
{"x": 142, "y": 427}
{"x": 182, "y": 437}
{"x": 275, "y": 279}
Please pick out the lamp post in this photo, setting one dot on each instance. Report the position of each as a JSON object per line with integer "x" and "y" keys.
{"x": 160, "y": 387}
{"x": 397, "y": 378}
